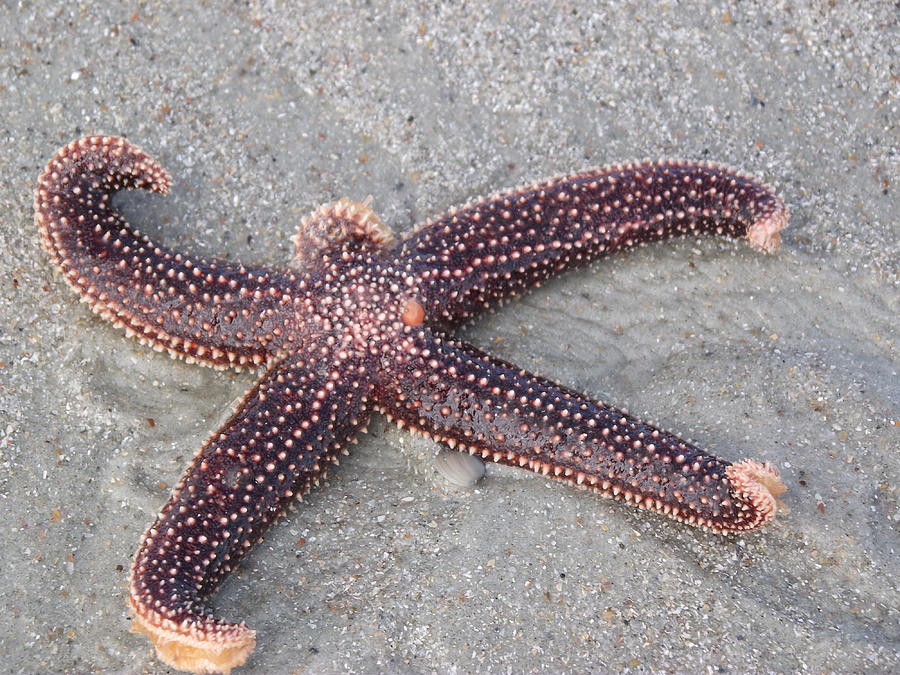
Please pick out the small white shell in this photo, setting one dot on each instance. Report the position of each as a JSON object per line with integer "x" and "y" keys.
{"x": 459, "y": 468}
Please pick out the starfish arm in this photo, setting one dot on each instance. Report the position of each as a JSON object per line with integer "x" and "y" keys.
{"x": 344, "y": 225}
{"x": 214, "y": 312}
{"x": 498, "y": 247}
{"x": 277, "y": 444}
{"x": 477, "y": 404}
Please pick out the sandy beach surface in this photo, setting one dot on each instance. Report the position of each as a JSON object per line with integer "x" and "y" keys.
{"x": 262, "y": 111}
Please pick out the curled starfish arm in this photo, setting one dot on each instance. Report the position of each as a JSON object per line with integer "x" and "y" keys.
{"x": 278, "y": 444}
{"x": 477, "y": 404}
{"x": 213, "y": 312}
{"x": 498, "y": 247}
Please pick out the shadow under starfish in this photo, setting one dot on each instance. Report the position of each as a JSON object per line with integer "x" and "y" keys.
{"x": 357, "y": 324}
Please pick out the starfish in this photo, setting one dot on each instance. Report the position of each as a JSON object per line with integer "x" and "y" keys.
{"x": 359, "y": 323}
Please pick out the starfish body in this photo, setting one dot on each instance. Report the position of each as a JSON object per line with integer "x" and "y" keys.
{"x": 357, "y": 324}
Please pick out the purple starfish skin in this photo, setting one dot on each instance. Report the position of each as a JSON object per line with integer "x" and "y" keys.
{"x": 353, "y": 326}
